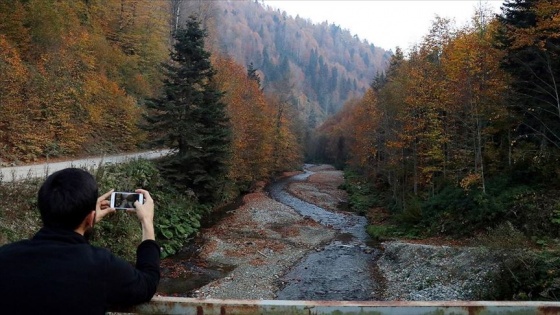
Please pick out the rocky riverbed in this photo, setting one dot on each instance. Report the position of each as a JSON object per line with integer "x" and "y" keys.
{"x": 263, "y": 239}
{"x": 419, "y": 272}
{"x": 266, "y": 241}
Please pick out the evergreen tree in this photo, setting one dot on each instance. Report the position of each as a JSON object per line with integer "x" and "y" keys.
{"x": 530, "y": 39}
{"x": 253, "y": 75}
{"x": 191, "y": 119}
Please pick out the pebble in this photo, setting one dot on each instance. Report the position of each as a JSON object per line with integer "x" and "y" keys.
{"x": 416, "y": 272}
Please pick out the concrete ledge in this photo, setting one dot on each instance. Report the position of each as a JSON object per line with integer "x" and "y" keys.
{"x": 173, "y": 305}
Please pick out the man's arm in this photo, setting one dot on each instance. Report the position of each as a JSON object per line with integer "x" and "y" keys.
{"x": 129, "y": 285}
{"x": 145, "y": 213}
{"x": 137, "y": 285}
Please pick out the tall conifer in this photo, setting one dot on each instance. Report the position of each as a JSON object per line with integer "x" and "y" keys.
{"x": 529, "y": 36}
{"x": 190, "y": 118}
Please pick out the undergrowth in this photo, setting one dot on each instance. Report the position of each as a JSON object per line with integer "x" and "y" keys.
{"x": 177, "y": 214}
{"x": 513, "y": 216}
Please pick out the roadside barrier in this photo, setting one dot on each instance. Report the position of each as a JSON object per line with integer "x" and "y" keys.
{"x": 16, "y": 173}
{"x": 175, "y": 305}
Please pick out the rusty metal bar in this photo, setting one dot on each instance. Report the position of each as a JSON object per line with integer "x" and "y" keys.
{"x": 172, "y": 305}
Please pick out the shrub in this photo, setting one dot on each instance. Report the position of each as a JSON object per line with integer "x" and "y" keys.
{"x": 458, "y": 212}
{"x": 527, "y": 275}
{"x": 177, "y": 216}
{"x": 19, "y": 218}
{"x": 121, "y": 231}
{"x": 503, "y": 236}
{"x": 361, "y": 195}
{"x": 178, "y": 219}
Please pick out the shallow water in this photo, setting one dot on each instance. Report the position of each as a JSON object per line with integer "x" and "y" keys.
{"x": 184, "y": 272}
{"x": 342, "y": 270}
{"x": 196, "y": 276}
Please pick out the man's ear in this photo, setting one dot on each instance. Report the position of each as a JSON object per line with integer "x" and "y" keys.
{"x": 90, "y": 218}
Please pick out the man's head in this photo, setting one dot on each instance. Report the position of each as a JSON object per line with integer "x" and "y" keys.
{"x": 66, "y": 198}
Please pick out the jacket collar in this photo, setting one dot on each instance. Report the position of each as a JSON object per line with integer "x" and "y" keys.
{"x": 60, "y": 235}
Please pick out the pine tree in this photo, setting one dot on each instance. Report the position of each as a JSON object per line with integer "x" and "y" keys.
{"x": 253, "y": 75}
{"x": 529, "y": 35}
{"x": 191, "y": 119}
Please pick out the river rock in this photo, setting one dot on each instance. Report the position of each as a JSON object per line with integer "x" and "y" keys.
{"x": 417, "y": 272}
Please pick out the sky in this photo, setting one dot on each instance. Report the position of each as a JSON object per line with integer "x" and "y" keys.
{"x": 384, "y": 23}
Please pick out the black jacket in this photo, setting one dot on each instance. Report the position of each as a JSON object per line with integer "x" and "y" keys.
{"x": 58, "y": 272}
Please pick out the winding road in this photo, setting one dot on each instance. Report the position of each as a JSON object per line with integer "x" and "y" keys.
{"x": 10, "y": 174}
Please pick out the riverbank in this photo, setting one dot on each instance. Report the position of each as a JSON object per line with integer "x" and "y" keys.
{"x": 265, "y": 239}
{"x": 420, "y": 272}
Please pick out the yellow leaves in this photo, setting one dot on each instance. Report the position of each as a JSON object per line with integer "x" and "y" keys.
{"x": 13, "y": 71}
{"x": 547, "y": 13}
{"x": 63, "y": 86}
{"x": 470, "y": 180}
{"x": 110, "y": 111}
{"x": 365, "y": 123}
{"x": 252, "y": 119}
{"x": 13, "y": 111}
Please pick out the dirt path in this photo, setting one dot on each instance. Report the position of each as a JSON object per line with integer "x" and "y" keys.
{"x": 15, "y": 173}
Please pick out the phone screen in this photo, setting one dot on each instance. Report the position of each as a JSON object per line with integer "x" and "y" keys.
{"x": 124, "y": 200}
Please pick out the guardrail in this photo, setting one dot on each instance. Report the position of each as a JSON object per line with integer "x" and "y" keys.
{"x": 16, "y": 173}
{"x": 174, "y": 305}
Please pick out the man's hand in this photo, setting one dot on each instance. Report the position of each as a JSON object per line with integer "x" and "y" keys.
{"x": 145, "y": 213}
{"x": 103, "y": 206}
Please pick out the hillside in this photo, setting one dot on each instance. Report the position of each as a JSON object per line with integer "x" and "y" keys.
{"x": 316, "y": 67}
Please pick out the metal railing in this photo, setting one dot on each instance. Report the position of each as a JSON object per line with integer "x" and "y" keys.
{"x": 173, "y": 305}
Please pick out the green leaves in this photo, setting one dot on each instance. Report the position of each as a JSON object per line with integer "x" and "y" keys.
{"x": 177, "y": 227}
{"x": 191, "y": 119}
{"x": 177, "y": 216}
{"x": 178, "y": 219}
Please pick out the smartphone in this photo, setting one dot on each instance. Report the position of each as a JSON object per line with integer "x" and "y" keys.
{"x": 125, "y": 200}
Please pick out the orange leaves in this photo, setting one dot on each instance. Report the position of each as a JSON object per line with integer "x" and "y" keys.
{"x": 263, "y": 138}
{"x": 12, "y": 21}
{"x": 433, "y": 117}
{"x": 13, "y": 118}
{"x": 110, "y": 112}
{"x": 365, "y": 120}
{"x": 64, "y": 87}
{"x": 470, "y": 180}
{"x": 547, "y": 13}
{"x": 251, "y": 119}
{"x": 11, "y": 66}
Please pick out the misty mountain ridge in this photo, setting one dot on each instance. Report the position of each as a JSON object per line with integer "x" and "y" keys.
{"x": 314, "y": 67}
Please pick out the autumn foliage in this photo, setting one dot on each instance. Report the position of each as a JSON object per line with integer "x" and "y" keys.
{"x": 264, "y": 142}
{"x": 74, "y": 74}
{"x": 456, "y": 135}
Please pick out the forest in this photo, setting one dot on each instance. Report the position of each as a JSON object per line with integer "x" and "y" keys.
{"x": 460, "y": 137}
{"x": 89, "y": 77}
{"x": 76, "y": 77}
{"x": 459, "y": 140}
{"x": 316, "y": 67}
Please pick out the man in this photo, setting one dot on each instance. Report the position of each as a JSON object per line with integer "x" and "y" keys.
{"x": 58, "y": 272}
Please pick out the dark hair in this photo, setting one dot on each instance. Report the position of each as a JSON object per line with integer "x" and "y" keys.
{"x": 67, "y": 197}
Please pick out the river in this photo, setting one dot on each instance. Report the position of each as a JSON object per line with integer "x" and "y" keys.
{"x": 343, "y": 269}
{"x": 340, "y": 269}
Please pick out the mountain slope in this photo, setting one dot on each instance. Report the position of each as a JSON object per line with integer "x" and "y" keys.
{"x": 315, "y": 67}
